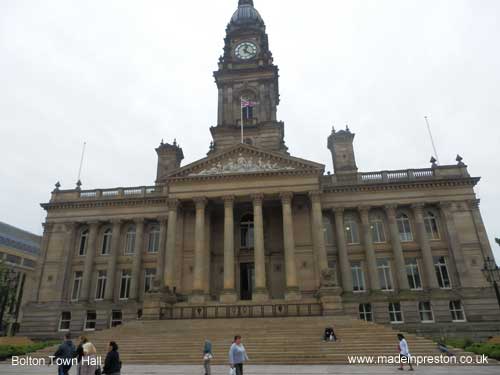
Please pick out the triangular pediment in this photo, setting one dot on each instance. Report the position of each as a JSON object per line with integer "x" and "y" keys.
{"x": 245, "y": 159}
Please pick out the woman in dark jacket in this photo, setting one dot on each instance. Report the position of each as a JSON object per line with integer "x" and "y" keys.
{"x": 112, "y": 364}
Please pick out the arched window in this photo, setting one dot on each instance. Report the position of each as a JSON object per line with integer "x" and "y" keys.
{"x": 351, "y": 229}
{"x": 154, "y": 239}
{"x": 431, "y": 225}
{"x": 82, "y": 247}
{"x": 130, "y": 240}
{"x": 404, "y": 227}
{"x": 377, "y": 229}
{"x": 106, "y": 242}
{"x": 246, "y": 232}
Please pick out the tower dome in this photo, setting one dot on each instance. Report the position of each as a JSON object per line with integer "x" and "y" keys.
{"x": 246, "y": 13}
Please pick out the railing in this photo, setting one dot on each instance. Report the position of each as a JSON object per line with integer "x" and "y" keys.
{"x": 241, "y": 311}
{"x": 401, "y": 175}
{"x": 119, "y": 192}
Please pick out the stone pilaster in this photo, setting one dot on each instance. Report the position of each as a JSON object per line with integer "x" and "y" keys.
{"x": 135, "y": 282}
{"x": 228, "y": 294}
{"x": 430, "y": 280}
{"x": 397, "y": 249}
{"x": 371, "y": 260}
{"x": 197, "y": 294}
{"x": 292, "y": 286}
{"x": 69, "y": 251}
{"x": 160, "y": 267}
{"x": 260, "y": 293}
{"x": 170, "y": 279}
{"x": 88, "y": 266}
{"x": 317, "y": 230}
{"x": 109, "y": 294}
{"x": 344, "y": 264}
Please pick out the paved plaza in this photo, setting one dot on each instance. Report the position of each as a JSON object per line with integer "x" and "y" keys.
{"x": 6, "y": 369}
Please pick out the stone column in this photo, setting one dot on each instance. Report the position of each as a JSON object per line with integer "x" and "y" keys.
{"x": 292, "y": 286}
{"x": 371, "y": 259}
{"x": 135, "y": 282}
{"x": 197, "y": 294}
{"x": 89, "y": 261}
{"x": 170, "y": 279}
{"x": 110, "y": 294}
{"x": 69, "y": 251}
{"x": 482, "y": 236}
{"x": 461, "y": 273}
{"x": 344, "y": 264}
{"x": 318, "y": 229}
{"x": 260, "y": 293}
{"x": 429, "y": 271}
{"x": 228, "y": 295}
{"x": 207, "y": 252}
{"x": 162, "y": 248}
{"x": 397, "y": 250}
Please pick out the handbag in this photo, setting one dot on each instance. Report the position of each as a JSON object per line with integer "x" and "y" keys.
{"x": 98, "y": 371}
{"x": 232, "y": 371}
{"x": 208, "y": 357}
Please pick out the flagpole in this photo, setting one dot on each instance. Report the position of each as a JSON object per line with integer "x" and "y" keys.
{"x": 432, "y": 138}
{"x": 241, "y": 112}
{"x": 81, "y": 161}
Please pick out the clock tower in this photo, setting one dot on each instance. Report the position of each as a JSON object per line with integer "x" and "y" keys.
{"x": 246, "y": 70}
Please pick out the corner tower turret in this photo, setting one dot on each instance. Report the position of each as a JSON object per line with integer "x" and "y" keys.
{"x": 169, "y": 159}
{"x": 341, "y": 146}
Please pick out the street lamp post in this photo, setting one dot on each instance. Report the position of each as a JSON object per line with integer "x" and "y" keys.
{"x": 492, "y": 273}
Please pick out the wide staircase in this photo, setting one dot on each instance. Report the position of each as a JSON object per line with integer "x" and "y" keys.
{"x": 267, "y": 340}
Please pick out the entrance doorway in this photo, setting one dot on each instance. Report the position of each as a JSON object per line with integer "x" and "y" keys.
{"x": 247, "y": 276}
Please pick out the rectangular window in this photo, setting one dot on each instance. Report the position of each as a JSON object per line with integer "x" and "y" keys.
{"x": 90, "y": 320}
{"x": 149, "y": 278}
{"x": 384, "y": 274}
{"x": 442, "y": 272}
{"x": 457, "y": 311}
{"x": 14, "y": 259}
{"x": 358, "y": 278}
{"x": 425, "y": 311}
{"x": 154, "y": 240}
{"x": 413, "y": 274}
{"x": 130, "y": 242}
{"x": 116, "y": 318}
{"x": 351, "y": 232}
{"x": 65, "y": 321}
{"x": 365, "y": 312}
{"x": 378, "y": 234}
{"x": 101, "y": 285}
{"x": 395, "y": 313}
{"x": 28, "y": 263}
{"x": 125, "y": 284}
{"x": 77, "y": 283}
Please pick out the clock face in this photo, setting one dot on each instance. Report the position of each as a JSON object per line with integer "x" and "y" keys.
{"x": 245, "y": 51}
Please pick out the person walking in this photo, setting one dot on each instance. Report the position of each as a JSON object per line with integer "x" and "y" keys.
{"x": 237, "y": 355}
{"x": 207, "y": 357}
{"x": 66, "y": 353}
{"x": 80, "y": 354}
{"x": 88, "y": 365}
{"x": 404, "y": 353}
{"x": 112, "y": 363}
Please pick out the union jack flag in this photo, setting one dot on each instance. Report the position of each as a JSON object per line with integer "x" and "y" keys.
{"x": 245, "y": 103}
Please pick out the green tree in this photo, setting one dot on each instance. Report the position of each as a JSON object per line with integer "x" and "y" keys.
{"x": 7, "y": 294}
{"x": 497, "y": 240}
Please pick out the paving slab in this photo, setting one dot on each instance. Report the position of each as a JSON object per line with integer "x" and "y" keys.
{"x": 7, "y": 369}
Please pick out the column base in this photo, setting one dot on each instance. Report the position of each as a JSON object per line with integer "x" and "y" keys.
{"x": 197, "y": 296}
{"x": 260, "y": 295}
{"x": 331, "y": 300}
{"x": 293, "y": 294}
{"x": 228, "y": 296}
{"x": 151, "y": 307}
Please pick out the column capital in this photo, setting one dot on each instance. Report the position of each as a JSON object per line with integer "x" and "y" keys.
{"x": 200, "y": 202}
{"x": 365, "y": 209}
{"x": 338, "y": 210}
{"x": 93, "y": 224}
{"x": 390, "y": 209}
{"x": 70, "y": 226}
{"x": 139, "y": 220}
{"x": 286, "y": 197}
{"x": 116, "y": 221}
{"x": 172, "y": 204}
{"x": 162, "y": 218}
{"x": 228, "y": 200}
{"x": 257, "y": 199}
{"x": 315, "y": 196}
{"x": 445, "y": 205}
{"x": 418, "y": 208}
{"x": 474, "y": 203}
{"x": 364, "y": 213}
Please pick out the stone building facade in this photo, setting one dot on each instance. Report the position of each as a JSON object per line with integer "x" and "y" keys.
{"x": 251, "y": 230}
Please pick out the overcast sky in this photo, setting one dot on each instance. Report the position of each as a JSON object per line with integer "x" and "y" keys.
{"x": 124, "y": 74}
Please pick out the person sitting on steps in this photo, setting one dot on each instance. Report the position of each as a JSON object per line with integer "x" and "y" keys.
{"x": 329, "y": 334}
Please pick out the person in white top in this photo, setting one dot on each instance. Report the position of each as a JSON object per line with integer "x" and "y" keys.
{"x": 404, "y": 353}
